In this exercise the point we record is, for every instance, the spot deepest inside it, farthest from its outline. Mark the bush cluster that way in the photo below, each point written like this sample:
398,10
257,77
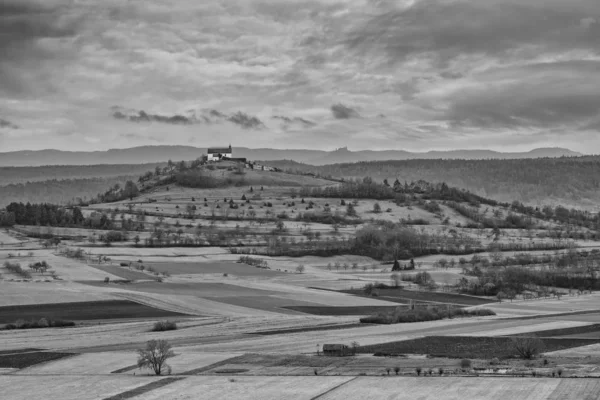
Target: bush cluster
15,268
41,323
402,315
162,326
256,262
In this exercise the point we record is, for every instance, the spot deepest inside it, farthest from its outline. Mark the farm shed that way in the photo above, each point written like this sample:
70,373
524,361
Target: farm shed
336,350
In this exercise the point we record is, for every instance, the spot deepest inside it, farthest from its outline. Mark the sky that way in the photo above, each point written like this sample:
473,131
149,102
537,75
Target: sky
507,75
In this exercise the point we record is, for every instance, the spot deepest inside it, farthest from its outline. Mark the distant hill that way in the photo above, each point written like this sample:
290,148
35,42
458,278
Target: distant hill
154,154
569,181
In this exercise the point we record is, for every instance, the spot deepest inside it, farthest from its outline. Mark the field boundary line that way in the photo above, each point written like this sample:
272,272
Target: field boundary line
143,389
334,388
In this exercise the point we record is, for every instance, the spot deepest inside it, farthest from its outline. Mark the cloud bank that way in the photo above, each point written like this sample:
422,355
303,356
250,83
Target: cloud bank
500,74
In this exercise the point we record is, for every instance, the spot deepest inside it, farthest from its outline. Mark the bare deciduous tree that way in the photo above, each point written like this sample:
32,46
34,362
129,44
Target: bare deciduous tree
155,356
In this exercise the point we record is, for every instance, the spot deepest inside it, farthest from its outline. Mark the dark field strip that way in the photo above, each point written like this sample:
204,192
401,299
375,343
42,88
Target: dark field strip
143,389
196,371
405,296
124,369
327,310
307,329
24,360
467,346
88,310
563,332
18,351
554,315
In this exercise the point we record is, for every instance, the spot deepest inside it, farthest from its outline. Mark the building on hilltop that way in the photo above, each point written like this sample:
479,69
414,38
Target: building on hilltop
218,153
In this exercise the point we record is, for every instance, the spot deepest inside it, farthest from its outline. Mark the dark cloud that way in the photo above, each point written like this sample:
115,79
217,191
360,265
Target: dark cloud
142,116
23,23
448,29
209,116
296,122
7,124
341,111
537,96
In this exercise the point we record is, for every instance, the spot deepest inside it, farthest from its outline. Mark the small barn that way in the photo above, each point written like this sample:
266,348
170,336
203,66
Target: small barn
219,153
336,350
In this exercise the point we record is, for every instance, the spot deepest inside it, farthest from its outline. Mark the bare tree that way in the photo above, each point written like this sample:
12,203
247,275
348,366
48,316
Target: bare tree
155,356
528,347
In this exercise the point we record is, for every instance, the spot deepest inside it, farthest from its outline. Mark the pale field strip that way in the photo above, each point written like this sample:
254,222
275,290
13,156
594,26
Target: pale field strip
75,387
319,297
84,364
448,388
592,350
245,388
566,304
27,293
191,304
6,239
19,387
103,363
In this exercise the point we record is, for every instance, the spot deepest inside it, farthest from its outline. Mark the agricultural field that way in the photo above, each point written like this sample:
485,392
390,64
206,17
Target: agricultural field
83,311
260,274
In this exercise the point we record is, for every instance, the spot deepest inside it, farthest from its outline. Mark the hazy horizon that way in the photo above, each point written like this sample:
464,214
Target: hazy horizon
414,75
293,149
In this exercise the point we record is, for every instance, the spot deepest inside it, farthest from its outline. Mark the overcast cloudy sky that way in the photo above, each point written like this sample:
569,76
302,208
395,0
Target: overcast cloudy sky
367,74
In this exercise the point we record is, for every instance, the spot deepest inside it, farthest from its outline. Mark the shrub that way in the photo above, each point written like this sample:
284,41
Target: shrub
495,361
441,371
106,280
418,370
397,370
465,363
161,326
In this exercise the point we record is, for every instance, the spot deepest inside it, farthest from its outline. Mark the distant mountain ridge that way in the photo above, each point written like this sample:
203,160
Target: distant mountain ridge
152,154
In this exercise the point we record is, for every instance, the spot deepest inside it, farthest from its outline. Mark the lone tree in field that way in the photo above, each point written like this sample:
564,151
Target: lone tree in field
376,208
528,347
155,356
